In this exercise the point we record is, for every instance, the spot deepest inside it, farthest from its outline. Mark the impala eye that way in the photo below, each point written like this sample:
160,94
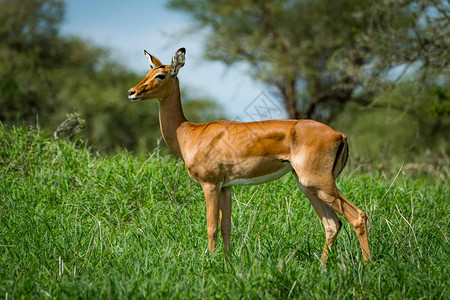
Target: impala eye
160,76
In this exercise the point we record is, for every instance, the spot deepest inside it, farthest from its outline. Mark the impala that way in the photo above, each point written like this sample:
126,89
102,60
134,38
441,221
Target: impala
221,154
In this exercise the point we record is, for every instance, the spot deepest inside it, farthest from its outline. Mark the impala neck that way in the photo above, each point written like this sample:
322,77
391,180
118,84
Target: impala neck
171,117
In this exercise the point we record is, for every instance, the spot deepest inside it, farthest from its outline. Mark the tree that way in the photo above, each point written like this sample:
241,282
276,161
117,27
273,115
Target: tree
408,33
28,22
318,54
27,32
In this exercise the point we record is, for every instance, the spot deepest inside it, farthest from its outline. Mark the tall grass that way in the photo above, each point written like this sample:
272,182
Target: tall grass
77,224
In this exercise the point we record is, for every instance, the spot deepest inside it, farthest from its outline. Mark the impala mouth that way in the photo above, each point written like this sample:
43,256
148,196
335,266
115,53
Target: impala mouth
133,98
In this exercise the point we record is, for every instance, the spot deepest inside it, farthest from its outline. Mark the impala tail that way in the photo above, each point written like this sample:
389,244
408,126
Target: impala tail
341,157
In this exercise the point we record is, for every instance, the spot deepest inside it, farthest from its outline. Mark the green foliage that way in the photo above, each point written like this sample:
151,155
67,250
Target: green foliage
200,109
440,107
408,32
409,125
75,224
30,22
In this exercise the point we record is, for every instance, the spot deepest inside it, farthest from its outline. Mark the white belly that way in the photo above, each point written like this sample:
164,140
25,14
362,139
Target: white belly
261,179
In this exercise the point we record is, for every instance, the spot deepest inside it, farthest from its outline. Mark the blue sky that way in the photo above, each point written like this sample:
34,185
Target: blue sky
129,27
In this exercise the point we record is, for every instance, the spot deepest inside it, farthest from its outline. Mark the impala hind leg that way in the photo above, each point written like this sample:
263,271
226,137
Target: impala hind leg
330,221
212,197
323,190
357,218
353,214
225,216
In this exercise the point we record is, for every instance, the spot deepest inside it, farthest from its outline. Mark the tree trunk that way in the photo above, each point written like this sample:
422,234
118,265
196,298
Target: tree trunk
289,99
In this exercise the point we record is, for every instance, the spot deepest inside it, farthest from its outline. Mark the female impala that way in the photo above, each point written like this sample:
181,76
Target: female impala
221,154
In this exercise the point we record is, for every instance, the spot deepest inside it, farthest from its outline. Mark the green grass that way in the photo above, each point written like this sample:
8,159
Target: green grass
78,224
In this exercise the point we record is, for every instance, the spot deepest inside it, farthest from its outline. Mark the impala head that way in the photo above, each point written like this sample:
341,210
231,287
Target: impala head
159,80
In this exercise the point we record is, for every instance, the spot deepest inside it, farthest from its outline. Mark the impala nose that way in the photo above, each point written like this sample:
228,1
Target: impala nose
132,95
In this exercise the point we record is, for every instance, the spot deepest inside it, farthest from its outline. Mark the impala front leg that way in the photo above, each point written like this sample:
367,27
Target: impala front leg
212,196
225,216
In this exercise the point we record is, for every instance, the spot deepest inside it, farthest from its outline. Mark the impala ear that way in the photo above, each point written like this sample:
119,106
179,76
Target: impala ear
178,61
153,61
